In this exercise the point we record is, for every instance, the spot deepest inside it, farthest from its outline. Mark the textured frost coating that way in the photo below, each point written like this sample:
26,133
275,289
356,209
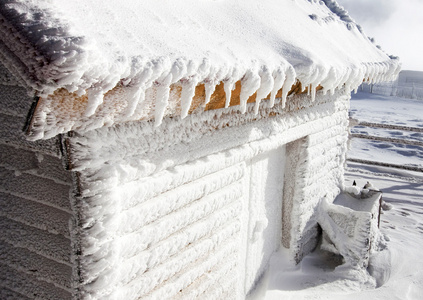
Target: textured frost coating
190,181
91,47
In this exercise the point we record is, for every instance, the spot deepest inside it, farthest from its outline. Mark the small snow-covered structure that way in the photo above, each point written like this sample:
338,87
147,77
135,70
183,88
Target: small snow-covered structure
350,225
409,84
169,147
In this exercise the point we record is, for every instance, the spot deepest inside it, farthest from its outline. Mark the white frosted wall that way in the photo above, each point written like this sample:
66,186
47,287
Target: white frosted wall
408,85
158,240
35,245
409,92
319,172
265,212
293,185
193,207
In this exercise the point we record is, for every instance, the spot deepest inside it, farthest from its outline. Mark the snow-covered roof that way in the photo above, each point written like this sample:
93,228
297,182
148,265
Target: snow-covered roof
92,47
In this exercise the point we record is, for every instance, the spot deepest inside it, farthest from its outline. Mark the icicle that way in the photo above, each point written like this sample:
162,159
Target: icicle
356,79
228,86
329,82
371,74
162,99
313,92
249,85
290,80
136,95
257,105
279,78
314,81
138,111
345,77
210,88
266,86
179,70
377,73
188,92
95,99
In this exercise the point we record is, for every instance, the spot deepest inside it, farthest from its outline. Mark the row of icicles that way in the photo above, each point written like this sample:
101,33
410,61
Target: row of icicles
256,80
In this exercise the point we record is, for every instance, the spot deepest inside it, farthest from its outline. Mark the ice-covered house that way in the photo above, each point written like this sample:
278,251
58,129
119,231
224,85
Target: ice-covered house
165,149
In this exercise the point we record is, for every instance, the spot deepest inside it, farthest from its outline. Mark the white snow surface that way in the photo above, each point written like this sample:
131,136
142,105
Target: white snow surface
395,268
390,111
92,46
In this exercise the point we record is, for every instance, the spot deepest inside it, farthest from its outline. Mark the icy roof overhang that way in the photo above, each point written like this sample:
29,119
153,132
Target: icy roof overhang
73,53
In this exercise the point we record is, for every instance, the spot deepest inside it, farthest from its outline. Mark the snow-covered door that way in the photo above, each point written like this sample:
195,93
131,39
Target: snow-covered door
266,174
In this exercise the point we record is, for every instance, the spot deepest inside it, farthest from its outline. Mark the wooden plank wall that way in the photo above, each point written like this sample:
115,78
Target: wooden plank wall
35,247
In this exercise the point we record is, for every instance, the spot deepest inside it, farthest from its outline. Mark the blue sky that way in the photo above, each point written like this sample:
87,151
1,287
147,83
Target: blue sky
396,25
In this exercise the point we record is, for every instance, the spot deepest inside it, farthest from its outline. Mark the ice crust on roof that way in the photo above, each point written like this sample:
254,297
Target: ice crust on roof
339,11
92,46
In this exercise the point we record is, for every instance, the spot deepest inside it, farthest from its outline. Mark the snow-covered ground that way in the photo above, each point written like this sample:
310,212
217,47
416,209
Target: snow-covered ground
396,270
389,111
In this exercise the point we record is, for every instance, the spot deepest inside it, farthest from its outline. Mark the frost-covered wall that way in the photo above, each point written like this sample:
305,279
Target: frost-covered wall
194,207
319,174
35,243
264,200
295,163
408,85
190,209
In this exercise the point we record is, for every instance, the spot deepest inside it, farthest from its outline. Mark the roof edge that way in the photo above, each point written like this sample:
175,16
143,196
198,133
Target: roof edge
63,111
